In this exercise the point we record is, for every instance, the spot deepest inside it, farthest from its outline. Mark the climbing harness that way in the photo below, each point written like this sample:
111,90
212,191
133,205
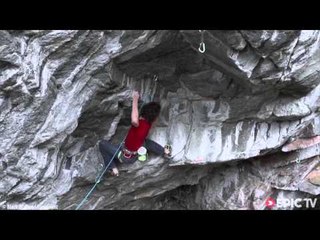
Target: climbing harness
125,155
202,46
142,157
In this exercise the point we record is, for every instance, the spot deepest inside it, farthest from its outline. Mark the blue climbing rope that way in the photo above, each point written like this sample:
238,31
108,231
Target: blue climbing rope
98,179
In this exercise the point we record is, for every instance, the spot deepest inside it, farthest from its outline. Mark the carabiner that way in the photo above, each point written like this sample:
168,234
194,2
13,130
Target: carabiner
202,47
155,78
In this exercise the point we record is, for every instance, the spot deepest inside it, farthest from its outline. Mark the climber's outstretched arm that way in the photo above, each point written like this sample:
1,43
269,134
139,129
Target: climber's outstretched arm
135,111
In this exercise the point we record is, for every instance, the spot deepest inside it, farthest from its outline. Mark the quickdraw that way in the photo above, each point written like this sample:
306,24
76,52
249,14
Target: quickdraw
202,46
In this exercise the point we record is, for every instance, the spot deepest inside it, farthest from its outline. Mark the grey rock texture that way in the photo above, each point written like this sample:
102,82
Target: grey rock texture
229,114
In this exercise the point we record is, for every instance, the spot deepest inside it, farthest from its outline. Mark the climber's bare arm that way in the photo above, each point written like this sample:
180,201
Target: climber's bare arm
135,111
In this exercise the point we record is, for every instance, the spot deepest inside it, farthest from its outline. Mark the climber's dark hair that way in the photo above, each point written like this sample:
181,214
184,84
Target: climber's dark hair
150,111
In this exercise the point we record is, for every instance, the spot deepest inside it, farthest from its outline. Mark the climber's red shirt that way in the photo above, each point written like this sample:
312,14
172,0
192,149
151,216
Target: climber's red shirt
137,135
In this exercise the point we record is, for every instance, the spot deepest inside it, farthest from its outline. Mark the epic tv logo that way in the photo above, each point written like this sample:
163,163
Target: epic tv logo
293,203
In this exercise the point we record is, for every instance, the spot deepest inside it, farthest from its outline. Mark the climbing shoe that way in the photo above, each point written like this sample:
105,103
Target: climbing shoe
168,151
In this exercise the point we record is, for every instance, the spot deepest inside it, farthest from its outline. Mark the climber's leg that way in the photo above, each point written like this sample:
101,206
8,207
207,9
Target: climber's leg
156,148
108,150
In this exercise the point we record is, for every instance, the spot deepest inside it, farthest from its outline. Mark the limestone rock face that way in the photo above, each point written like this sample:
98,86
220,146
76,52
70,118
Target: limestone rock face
242,117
